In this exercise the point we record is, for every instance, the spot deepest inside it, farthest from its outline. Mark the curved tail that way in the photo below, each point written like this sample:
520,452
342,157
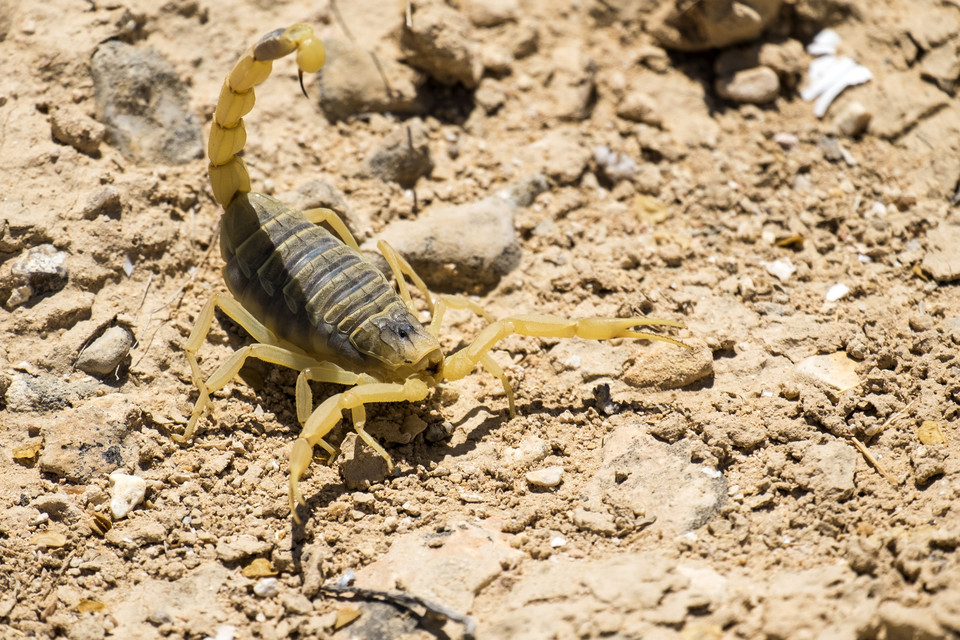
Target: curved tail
228,174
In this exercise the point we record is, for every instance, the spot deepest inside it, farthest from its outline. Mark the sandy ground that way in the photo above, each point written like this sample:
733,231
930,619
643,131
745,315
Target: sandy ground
793,475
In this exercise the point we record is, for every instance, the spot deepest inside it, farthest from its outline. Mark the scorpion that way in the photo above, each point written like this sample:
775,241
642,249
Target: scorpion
312,302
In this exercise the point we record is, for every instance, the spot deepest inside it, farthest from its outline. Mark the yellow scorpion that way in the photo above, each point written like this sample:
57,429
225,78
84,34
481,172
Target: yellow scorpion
314,303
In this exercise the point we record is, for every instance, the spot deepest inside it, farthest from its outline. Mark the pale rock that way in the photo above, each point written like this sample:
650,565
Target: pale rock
547,477
490,13
853,119
144,104
639,106
81,132
441,42
471,557
666,366
758,85
560,154
710,24
781,269
467,247
105,354
126,492
828,469
351,83
836,292
942,260
836,370
243,547
267,587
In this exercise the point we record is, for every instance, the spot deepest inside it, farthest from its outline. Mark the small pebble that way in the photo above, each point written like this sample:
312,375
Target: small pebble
548,477
266,588
557,541
787,141
758,85
106,353
159,617
853,120
105,201
837,291
782,269
126,492
225,632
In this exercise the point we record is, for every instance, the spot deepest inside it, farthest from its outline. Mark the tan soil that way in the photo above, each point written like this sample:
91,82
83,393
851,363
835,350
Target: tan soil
735,506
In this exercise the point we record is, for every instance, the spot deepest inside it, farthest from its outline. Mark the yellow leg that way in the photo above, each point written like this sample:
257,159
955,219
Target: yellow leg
200,330
461,363
328,414
323,372
445,302
400,267
437,303
322,215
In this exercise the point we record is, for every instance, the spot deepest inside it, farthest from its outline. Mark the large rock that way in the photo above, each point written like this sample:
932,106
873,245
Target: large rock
440,40
711,24
351,82
943,259
467,247
144,104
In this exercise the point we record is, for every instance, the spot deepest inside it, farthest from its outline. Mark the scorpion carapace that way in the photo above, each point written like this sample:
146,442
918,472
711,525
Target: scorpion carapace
314,303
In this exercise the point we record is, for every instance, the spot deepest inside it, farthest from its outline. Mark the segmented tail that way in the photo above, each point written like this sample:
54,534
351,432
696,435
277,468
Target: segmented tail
228,174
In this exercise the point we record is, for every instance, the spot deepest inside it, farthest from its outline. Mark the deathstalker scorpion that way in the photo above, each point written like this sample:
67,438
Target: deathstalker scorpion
314,303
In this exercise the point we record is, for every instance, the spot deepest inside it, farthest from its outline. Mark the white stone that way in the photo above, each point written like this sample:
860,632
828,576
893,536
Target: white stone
266,588
782,269
126,492
547,477
837,291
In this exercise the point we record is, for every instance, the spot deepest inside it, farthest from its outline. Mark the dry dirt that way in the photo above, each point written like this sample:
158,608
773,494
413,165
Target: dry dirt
739,489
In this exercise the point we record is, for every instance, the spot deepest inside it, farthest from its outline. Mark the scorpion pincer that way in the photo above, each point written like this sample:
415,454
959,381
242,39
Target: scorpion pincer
314,303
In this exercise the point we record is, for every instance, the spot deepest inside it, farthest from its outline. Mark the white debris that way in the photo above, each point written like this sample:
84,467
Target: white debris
548,477
127,265
829,74
267,588
126,492
824,43
224,632
781,269
557,541
615,165
837,291
573,362
787,141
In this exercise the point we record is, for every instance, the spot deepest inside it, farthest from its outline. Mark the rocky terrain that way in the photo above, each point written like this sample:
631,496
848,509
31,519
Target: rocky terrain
794,474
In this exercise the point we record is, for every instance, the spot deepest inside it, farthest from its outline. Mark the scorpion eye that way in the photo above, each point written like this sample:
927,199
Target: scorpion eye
401,332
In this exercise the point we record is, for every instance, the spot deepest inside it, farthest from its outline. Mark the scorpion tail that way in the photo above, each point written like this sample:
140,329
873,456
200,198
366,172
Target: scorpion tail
228,174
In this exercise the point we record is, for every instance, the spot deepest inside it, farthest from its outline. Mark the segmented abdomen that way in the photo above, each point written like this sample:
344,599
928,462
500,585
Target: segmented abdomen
300,280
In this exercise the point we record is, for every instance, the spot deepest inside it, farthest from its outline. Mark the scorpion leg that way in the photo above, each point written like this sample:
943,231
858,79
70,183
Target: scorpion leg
438,303
268,348
323,372
329,217
328,414
197,336
461,363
